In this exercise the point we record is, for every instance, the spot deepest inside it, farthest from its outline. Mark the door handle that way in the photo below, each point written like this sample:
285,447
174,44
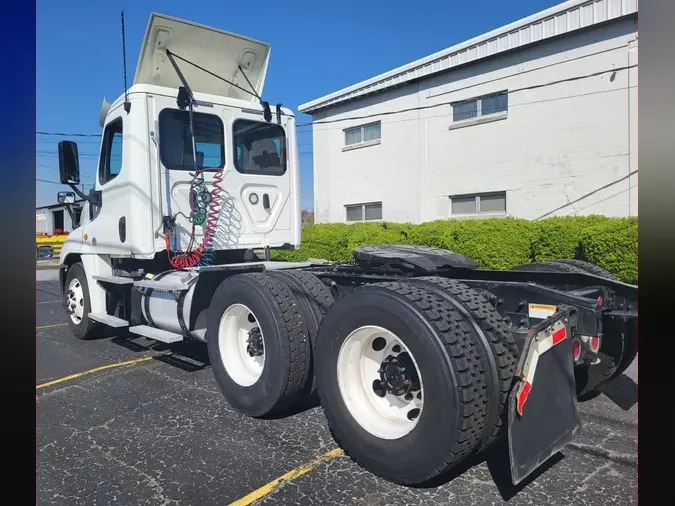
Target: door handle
266,202
122,228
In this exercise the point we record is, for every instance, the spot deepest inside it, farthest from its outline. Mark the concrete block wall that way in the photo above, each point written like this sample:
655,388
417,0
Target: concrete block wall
556,146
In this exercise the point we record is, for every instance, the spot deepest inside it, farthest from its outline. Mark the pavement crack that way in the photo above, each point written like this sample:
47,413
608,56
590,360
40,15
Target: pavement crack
159,496
582,484
626,459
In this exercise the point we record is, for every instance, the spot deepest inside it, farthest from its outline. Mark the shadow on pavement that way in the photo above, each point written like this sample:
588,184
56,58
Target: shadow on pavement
497,461
189,356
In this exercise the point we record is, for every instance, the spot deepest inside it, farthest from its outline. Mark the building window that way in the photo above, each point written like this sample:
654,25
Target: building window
175,141
364,212
259,148
110,163
484,203
481,106
364,134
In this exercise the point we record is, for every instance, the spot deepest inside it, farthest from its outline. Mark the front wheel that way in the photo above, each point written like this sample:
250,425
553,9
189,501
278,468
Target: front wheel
78,305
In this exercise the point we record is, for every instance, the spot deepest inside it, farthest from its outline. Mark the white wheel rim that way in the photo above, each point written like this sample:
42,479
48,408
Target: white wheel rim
233,340
75,301
358,364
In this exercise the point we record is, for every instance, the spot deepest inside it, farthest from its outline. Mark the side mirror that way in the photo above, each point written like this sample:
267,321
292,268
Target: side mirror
69,163
66,198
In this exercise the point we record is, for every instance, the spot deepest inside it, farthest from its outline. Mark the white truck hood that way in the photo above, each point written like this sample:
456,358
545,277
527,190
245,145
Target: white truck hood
216,50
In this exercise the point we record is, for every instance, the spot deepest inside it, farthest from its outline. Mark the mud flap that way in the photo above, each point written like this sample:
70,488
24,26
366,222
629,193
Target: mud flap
543,414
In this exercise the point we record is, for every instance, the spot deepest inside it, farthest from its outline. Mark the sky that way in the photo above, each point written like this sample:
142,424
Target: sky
317,48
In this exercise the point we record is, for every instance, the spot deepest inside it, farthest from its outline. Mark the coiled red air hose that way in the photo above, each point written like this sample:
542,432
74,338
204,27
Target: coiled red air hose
190,258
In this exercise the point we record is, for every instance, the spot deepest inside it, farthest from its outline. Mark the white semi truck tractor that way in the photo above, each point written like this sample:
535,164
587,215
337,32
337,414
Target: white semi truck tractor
420,358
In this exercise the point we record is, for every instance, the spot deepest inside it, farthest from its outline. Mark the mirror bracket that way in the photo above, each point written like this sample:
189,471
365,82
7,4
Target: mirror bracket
73,218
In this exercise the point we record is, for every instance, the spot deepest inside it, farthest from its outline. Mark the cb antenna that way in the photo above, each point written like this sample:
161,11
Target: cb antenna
127,104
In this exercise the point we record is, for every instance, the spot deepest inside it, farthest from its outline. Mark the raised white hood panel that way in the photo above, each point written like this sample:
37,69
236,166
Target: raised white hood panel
218,51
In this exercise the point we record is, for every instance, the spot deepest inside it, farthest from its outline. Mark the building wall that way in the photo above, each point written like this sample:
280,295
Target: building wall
557,145
44,220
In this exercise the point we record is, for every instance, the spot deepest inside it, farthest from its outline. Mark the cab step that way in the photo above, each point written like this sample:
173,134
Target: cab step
156,334
106,319
115,280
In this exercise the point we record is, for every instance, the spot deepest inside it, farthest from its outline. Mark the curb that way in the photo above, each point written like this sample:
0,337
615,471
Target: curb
40,265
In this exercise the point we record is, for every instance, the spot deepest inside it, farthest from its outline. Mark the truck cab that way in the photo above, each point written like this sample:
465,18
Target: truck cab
155,140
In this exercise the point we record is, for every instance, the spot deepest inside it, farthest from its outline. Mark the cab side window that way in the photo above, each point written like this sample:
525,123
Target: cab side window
110,162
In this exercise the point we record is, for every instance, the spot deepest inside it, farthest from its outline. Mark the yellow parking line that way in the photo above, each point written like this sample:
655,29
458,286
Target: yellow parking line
96,369
291,475
51,326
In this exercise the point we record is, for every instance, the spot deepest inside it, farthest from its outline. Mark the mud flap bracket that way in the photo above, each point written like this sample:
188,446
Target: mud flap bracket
543,413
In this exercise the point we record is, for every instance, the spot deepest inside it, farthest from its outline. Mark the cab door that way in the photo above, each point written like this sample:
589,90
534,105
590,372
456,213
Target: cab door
107,228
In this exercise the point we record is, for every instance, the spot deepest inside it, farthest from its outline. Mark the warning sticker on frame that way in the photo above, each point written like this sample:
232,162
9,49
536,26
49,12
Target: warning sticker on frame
541,311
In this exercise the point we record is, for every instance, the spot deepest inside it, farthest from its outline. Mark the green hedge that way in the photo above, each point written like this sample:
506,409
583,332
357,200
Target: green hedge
493,243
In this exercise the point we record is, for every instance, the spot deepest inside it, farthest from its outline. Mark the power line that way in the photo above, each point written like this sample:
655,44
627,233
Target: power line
54,141
445,114
586,195
57,170
424,107
510,106
61,134
47,181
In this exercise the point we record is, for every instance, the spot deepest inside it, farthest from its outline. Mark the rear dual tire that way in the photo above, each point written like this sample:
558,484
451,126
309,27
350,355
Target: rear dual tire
450,423
260,334
256,304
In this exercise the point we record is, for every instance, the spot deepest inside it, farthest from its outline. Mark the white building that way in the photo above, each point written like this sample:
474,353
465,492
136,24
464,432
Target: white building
534,119
56,217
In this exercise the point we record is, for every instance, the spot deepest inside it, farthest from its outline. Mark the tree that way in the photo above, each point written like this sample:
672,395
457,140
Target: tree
307,217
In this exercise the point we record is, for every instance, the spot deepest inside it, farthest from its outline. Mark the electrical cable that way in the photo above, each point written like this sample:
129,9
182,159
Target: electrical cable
61,134
386,113
424,107
586,195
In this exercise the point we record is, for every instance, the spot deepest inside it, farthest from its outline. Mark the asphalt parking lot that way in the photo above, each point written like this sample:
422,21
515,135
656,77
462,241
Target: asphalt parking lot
156,431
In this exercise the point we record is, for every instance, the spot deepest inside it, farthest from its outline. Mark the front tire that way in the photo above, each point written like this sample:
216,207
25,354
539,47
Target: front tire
408,433
257,343
78,305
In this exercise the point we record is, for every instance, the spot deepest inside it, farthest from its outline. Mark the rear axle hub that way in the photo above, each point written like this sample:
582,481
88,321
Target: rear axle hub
398,375
255,343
